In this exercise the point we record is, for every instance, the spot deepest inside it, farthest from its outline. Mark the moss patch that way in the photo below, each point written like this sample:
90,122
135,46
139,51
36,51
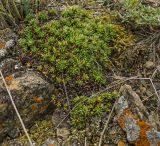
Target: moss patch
77,46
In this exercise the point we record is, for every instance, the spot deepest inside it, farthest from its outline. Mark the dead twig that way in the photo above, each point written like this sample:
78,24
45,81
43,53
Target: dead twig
154,73
65,90
152,86
150,96
85,143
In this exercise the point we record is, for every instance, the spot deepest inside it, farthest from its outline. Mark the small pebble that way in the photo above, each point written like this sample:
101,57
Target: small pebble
149,65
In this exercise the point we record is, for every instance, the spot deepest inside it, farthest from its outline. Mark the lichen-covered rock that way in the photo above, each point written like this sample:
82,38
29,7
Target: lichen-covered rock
16,142
12,143
133,119
7,34
132,128
3,53
134,101
9,44
5,48
50,142
10,66
153,137
31,94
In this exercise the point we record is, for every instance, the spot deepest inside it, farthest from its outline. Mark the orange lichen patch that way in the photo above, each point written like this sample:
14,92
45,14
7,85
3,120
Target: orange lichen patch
14,85
144,127
38,99
33,107
51,145
9,78
143,140
121,143
125,113
121,121
2,45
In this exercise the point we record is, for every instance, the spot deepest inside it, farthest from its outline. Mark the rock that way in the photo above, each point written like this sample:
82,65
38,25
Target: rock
16,142
153,137
131,128
10,66
154,120
12,143
134,119
5,48
51,142
14,133
63,130
7,34
56,119
31,94
122,104
149,65
9,44
3,53
63,133
18,1
131,99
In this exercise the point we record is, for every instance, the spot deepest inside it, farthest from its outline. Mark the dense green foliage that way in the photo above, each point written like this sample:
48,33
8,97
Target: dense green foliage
77,45
91,108
142,15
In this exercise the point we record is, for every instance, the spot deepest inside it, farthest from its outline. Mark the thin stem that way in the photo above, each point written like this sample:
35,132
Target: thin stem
65,89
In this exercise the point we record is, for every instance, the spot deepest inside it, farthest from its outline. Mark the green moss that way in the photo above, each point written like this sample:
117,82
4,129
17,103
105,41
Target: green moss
78,43
90,108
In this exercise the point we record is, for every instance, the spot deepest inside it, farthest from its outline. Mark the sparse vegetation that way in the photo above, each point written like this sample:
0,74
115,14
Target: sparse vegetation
140,14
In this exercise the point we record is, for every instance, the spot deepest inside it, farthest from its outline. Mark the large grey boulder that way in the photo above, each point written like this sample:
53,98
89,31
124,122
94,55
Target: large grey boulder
31,94
30,91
